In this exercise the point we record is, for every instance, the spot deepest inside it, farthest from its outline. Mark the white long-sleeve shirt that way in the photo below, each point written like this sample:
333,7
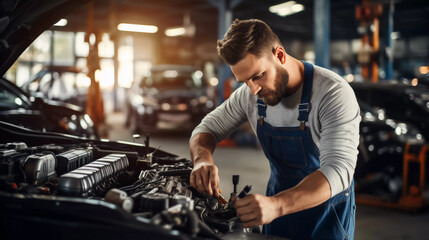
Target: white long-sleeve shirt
333,121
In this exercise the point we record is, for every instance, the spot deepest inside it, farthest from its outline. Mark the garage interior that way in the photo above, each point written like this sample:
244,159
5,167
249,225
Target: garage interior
102,54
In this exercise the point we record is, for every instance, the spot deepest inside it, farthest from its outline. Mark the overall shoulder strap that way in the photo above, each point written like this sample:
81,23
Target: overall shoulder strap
304,107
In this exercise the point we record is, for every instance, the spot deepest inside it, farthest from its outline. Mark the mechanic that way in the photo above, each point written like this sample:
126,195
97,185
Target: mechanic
307,121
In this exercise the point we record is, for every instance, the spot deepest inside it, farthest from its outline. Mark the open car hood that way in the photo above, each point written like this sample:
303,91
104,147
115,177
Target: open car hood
21,22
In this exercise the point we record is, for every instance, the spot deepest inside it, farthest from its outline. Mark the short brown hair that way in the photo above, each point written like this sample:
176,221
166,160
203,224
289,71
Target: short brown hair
246,36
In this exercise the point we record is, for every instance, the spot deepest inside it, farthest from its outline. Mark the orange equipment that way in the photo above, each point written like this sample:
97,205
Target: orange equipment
368,13
94,100
412,195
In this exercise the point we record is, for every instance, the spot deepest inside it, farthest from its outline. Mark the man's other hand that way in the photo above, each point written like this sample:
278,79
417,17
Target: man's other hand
256,209
205,178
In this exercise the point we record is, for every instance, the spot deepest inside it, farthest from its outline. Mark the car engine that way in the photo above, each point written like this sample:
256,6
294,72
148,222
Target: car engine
77,181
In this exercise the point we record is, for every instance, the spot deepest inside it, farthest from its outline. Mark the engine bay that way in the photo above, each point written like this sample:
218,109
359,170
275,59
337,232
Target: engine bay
138,186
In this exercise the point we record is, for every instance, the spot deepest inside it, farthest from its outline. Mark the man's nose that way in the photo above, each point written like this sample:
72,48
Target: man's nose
254,87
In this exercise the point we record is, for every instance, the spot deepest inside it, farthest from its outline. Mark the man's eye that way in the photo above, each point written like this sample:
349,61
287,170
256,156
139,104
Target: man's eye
258,77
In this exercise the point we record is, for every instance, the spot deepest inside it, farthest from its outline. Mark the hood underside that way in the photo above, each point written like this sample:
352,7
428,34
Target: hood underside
21,22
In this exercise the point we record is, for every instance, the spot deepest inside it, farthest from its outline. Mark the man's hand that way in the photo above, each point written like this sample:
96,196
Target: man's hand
205,178
256,209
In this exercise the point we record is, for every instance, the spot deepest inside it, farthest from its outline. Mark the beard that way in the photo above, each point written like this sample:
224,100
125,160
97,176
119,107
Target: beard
273,97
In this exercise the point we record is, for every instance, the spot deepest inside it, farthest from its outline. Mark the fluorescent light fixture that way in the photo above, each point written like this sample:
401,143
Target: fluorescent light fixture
61,23
171,74
127,27
286,8
175,31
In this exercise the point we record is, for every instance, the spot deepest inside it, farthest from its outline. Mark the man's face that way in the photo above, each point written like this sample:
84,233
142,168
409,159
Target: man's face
264,76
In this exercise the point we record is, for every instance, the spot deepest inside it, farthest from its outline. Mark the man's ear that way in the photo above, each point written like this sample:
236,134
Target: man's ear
280,54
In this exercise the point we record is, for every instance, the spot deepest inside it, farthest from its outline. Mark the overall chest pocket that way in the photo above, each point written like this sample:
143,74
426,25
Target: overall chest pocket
287,150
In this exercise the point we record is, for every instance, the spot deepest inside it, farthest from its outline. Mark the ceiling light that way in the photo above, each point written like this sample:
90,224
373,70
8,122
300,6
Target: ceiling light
187,29
61,23
137,28
175,31
286,8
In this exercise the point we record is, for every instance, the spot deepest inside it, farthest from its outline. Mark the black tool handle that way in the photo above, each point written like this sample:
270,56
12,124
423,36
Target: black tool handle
245,191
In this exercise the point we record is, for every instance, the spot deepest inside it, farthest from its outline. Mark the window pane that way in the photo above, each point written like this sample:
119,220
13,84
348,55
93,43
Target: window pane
125,54
22,73
81,47
41,47
106,76
63,48
106,48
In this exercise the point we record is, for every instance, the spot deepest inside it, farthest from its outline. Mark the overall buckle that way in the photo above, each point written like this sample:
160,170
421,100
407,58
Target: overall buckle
261,120
302,125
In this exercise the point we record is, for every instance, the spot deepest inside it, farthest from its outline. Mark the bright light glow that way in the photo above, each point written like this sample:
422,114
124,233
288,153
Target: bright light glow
424,69
414,82
398,131
88,119
278,7
209,104
137,100
171,74
182,107
61,23
137,28
165,106
82,81
419,136
287,8
18,101
83,124
297,8
175,31
203,99
106,76
350,78
198,74
395,35
125,55
98,75
214,81
106,48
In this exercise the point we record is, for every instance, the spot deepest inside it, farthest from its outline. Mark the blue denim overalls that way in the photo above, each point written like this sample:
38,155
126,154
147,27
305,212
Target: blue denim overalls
293,155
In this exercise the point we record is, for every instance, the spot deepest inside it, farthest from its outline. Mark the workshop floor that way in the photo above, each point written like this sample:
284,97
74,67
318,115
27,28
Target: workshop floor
253,168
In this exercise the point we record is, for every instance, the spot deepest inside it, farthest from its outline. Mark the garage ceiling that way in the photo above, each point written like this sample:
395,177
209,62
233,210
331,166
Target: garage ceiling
411,17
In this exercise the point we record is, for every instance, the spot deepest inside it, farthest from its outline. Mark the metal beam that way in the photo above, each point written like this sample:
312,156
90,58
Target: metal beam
321,32
225,20
389,45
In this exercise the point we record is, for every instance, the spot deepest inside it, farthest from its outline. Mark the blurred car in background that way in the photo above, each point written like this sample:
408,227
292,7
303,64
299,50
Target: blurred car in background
41,114
63,83
173,96
401,102
381,149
